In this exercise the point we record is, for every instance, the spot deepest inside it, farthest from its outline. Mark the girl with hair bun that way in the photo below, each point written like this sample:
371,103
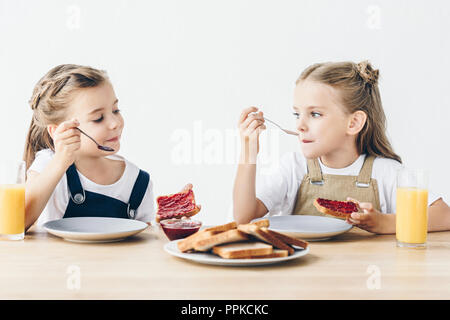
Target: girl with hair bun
68,175
346,154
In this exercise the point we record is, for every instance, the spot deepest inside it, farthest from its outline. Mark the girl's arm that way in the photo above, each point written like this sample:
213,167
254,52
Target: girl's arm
40,186
245,204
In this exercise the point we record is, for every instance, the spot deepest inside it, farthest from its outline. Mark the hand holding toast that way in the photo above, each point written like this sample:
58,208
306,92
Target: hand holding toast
367,218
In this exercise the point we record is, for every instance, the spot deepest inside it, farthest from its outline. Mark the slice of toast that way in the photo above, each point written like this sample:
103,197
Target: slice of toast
233,225
287,239
232,235
187,243
257,232
191,213
176,205
342,213
223,227
261,223
243,250
277,253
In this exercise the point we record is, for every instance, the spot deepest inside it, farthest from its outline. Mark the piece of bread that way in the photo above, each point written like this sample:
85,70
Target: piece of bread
277,253
188,214
257,232
233,225
176,205
187,244
243,250
223,227
233,235
261,223
338,209
287,239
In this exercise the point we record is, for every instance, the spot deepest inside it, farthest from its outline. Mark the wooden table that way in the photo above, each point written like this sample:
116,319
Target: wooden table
355,265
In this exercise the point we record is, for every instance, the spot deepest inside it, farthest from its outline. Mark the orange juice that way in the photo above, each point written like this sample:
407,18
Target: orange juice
12,209
412,215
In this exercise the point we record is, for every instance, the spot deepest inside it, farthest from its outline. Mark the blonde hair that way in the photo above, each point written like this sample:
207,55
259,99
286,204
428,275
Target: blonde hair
358,87
51,97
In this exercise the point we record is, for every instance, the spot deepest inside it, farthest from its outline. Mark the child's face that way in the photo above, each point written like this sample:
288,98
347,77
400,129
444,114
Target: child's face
320,119
99,116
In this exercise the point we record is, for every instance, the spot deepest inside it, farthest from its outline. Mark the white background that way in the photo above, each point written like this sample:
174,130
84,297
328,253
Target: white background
183,71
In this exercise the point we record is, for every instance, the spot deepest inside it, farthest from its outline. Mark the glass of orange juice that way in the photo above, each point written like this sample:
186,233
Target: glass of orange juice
12,200
412,208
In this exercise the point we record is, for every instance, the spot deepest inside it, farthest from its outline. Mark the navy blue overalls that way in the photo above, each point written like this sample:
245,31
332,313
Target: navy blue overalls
84,203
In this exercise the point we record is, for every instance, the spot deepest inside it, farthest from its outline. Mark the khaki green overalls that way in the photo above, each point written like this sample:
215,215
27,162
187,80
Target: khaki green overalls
336,187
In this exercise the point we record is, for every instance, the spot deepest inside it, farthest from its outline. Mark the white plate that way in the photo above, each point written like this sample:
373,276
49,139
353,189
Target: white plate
308,227
94,229
209,258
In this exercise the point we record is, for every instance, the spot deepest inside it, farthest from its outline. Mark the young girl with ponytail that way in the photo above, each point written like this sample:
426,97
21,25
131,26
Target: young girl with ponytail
345,153
68,175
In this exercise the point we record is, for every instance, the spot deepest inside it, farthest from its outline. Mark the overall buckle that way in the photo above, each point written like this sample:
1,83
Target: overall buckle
78,198
131,212
362,185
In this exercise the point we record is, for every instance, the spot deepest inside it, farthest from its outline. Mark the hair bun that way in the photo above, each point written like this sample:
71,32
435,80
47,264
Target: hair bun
367,73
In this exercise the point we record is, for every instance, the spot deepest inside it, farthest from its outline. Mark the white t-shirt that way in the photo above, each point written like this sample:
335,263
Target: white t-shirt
121,189
278,190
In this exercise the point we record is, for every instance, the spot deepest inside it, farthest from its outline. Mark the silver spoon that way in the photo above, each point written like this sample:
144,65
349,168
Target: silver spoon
285,130
104,148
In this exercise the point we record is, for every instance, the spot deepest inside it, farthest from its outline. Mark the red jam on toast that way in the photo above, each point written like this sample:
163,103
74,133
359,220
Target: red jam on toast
339,209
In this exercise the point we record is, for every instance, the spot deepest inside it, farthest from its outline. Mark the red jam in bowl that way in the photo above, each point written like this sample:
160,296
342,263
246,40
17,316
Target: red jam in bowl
179,228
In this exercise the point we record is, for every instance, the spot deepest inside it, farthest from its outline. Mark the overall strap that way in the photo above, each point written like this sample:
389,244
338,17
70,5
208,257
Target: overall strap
365,174
76,191
138,192
314,172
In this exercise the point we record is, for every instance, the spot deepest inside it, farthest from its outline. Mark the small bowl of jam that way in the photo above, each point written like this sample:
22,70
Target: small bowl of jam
179,228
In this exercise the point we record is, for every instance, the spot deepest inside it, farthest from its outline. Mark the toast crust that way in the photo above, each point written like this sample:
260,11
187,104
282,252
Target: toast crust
223,227
287,239
258,232
276,253
261,223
